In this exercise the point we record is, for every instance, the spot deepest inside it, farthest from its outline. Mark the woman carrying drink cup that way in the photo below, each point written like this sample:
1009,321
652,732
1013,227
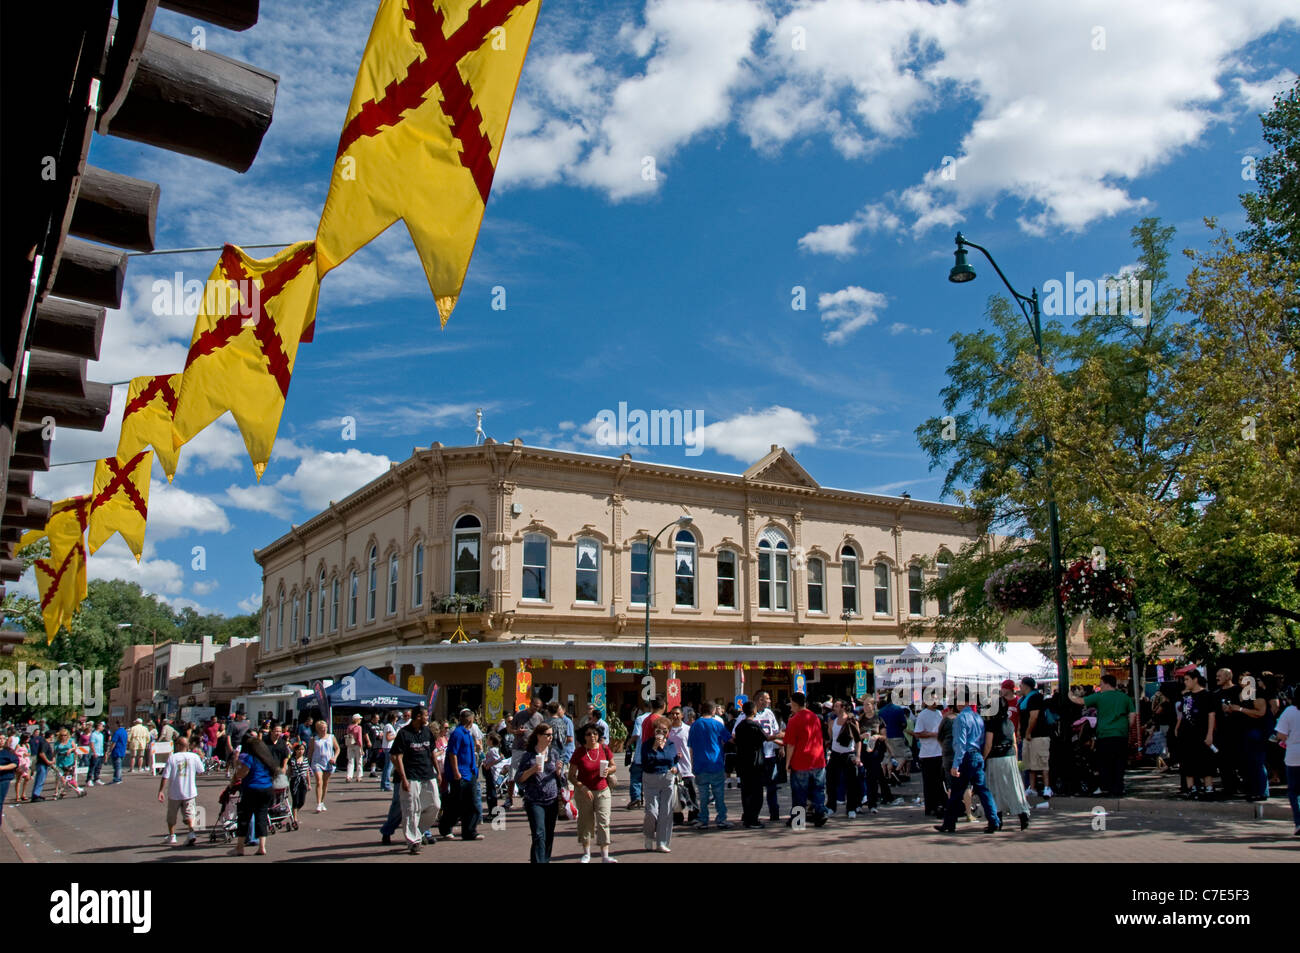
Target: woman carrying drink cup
592,771
540,775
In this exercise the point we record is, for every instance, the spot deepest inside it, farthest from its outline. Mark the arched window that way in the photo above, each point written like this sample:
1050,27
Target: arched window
816,586
726,579
334,604
849,579
266,642
640,573
882,589
915,591
372,582
306,628
293,629
417,575
279,625
535,562
352,599
392,584
942,566
587,588
465,555
320,622
773,571
684,568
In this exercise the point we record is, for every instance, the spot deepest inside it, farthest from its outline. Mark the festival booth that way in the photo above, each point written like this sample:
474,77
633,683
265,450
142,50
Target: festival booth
363,692
964,668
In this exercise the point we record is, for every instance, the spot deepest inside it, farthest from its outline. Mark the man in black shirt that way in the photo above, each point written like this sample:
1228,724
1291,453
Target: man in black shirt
374,751
416,774
278,745
1227,731
749,737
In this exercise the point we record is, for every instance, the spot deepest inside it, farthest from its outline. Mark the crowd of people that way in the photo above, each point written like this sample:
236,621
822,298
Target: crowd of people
997,763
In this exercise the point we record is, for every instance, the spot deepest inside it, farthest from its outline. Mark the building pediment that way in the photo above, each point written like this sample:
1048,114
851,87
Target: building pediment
780,467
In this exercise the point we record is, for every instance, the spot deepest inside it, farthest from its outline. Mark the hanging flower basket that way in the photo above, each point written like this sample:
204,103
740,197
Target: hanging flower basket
1102,593
1018,586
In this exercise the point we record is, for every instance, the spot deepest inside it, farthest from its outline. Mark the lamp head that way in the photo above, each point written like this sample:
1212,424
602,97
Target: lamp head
962,270
684,519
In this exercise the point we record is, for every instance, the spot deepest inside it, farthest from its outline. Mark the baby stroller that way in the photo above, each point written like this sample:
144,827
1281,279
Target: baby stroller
226,828
280,814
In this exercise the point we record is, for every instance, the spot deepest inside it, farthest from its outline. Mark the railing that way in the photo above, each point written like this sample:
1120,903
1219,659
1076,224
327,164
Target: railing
460,603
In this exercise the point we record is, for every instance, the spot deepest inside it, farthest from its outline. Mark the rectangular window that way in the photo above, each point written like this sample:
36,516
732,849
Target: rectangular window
882,589
535,567
944,603
293,630
334,606
279,627
915,591
306,629
466,546
417,576
764,579
393,569
372,583
781,565
849,583
352,601
640,574
588,567
685,563
816,589
320,622
726,580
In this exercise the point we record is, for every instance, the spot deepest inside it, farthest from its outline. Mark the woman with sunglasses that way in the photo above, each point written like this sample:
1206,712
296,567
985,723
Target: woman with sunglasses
658,766
540,775
591,770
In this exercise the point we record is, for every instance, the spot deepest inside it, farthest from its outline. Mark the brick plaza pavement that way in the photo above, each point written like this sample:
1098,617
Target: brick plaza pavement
125,823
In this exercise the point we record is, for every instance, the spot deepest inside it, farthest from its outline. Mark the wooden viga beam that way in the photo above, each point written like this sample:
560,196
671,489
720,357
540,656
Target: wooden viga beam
90,273
68,327
37,515
116,210
76,413
197,103
31,450
56,374
231,14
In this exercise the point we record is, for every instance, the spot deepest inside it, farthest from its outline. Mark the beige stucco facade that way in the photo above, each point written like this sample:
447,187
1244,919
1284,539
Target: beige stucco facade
552,508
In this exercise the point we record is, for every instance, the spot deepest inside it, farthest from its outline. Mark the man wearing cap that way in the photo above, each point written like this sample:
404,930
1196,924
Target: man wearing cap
137,739
460,772
968,771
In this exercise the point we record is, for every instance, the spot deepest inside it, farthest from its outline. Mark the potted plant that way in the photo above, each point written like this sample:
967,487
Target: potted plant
1104,590
617,733
1018,586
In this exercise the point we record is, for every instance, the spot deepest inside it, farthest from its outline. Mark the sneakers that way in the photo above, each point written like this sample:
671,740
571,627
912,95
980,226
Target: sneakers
662,849
413,848
650,844
170,840
608,860
633,805
896,802
725,825
584,859
192,839
853,815
700,826
1041,805
1047,792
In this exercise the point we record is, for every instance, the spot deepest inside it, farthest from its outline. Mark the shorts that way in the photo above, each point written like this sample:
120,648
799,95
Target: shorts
1038,752
329,768
135,749
900,749
185,808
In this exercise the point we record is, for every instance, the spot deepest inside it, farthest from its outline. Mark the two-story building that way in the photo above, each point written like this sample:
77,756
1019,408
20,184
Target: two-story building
746,580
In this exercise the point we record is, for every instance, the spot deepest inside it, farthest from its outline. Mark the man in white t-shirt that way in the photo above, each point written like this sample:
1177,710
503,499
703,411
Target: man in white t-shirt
926,731
1288,730
387,736
179,787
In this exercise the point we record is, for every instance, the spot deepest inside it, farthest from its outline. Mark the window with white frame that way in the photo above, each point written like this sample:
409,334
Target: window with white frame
587,587
915,591
372,582
306,627
726,579
352,599
535,563
684,568
849,578
293,628
942,566
773,571
816,586
334,604
279,626
640,573
417,575
882,588
465,546
393,569
320,622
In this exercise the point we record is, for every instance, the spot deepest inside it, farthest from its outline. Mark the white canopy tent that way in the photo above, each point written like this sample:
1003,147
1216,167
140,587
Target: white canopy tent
967,662
1022,659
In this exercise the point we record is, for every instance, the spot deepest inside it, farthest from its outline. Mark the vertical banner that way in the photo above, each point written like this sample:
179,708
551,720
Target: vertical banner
598,689
523,689
433,697
800,683
322,700
392,678
860,683
415,683
495,703
674,693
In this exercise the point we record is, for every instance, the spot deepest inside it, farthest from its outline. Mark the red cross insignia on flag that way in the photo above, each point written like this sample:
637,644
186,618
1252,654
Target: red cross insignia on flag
147,420
120,501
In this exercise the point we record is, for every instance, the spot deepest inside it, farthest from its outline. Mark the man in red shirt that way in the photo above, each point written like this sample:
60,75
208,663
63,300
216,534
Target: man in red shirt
805,760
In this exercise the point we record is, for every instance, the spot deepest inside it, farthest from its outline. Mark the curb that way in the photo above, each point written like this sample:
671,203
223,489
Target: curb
1274,809
24,852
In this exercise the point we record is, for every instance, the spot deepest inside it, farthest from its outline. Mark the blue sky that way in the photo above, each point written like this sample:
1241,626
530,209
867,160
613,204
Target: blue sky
795,145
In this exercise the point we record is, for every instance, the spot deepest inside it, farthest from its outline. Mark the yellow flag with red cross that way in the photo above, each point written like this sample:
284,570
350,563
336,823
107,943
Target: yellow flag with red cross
245,341
120,501
61,579
147,420
423,132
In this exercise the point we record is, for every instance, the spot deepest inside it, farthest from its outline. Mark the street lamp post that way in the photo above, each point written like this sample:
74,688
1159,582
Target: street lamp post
682,520
963,272
846,616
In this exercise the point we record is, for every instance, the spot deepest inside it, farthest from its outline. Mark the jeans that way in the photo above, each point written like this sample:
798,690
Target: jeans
96,763
394,819
752,782
658,823
932,784
386,778
463,805
971,775
1253,773
634,790
1112,759
770,774
541,824
842,772
38,779
4,794
712,784
804,783
117,767
1293,792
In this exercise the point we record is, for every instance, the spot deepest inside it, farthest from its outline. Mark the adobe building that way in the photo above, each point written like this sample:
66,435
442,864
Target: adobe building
755,578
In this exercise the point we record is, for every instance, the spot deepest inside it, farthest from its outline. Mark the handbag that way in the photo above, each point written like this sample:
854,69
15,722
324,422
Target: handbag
678,798
566,804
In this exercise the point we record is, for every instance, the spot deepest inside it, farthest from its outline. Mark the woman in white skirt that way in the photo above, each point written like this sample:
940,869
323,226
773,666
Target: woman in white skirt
1000,761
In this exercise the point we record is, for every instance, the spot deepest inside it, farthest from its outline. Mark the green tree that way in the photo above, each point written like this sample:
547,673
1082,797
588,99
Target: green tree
1273,210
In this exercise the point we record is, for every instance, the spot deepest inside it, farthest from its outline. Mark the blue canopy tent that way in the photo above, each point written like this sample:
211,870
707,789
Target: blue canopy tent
363,689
